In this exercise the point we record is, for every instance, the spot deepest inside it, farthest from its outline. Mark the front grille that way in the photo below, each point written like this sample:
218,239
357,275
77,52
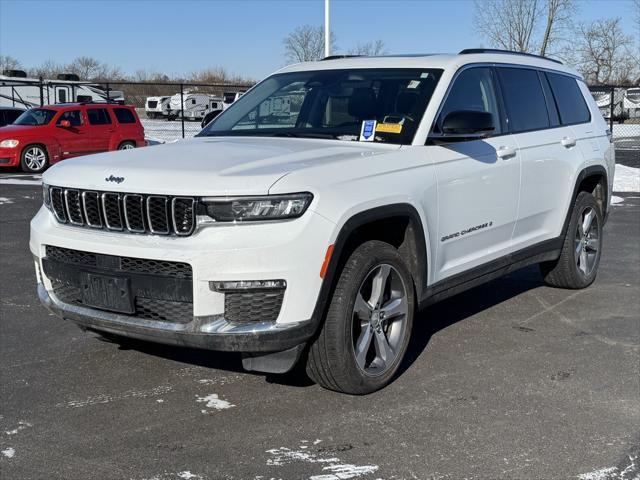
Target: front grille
256,306
124,212
156,294
126,264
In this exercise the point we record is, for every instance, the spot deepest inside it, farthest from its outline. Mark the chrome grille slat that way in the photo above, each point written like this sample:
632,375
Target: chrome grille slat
74,210
124,212
133,205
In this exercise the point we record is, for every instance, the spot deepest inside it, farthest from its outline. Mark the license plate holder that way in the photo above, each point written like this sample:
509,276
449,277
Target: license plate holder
107,292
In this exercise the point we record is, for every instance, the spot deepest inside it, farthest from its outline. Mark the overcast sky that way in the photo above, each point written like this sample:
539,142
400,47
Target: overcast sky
244,36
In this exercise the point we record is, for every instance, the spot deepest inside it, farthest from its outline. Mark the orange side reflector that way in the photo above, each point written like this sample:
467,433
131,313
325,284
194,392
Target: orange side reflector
327,259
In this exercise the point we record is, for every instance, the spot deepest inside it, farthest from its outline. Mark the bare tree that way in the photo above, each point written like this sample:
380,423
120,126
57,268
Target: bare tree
559,14
369,49
48,69
7,62
604,52
508,24
306,43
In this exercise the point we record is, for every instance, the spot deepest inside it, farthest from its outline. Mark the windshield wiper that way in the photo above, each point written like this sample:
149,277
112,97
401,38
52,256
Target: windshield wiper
303,135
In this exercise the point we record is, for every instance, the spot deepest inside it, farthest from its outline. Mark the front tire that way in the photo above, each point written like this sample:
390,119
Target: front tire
577,266
34,159
368,323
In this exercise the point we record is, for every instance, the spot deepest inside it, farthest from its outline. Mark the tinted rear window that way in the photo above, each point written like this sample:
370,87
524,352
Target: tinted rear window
124,115
524,99
98,116
571,104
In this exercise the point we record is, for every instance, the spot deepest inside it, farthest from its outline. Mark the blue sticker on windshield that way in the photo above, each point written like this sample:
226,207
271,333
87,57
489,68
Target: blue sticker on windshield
368,130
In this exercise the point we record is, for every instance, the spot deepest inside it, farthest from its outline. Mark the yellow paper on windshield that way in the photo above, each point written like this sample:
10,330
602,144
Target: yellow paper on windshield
389,128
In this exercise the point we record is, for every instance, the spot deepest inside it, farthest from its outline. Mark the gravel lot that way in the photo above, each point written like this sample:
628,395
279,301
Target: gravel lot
510,380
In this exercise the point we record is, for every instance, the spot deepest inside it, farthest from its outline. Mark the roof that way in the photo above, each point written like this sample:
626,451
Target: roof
442,61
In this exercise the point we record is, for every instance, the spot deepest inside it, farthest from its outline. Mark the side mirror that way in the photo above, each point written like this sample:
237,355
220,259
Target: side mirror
464,125
64,124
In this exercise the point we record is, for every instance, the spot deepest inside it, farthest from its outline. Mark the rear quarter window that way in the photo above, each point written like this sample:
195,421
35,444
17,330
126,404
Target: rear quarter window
571,104
124,115
524,99
98,116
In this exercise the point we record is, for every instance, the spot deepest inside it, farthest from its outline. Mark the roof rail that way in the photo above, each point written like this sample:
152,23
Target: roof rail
510,52
336,57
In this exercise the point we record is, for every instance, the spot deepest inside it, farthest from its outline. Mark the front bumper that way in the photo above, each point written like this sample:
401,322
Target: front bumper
211,333
9,157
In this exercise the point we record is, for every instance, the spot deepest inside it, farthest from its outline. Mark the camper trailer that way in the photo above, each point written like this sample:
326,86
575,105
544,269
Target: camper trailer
17,90
632,102
196,105
157,107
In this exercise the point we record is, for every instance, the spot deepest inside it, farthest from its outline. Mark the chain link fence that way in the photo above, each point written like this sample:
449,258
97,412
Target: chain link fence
620,106
168,111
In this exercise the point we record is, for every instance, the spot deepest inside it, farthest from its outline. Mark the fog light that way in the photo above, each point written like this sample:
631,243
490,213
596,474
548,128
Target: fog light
243,285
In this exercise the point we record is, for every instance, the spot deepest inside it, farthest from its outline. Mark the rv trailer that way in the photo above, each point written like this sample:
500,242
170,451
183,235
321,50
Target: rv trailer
157,107
195,105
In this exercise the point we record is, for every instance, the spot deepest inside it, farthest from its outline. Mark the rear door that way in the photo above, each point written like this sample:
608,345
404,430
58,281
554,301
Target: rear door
101,128
73,140
477,180
548,154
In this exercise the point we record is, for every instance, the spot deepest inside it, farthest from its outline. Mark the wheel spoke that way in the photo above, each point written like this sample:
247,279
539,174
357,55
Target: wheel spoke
587,221
362,308
583,261
362,345
578,245
383,349
394,308
378,286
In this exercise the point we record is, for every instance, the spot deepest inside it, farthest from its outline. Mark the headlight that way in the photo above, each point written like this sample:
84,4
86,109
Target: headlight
46,196
250,209
9,143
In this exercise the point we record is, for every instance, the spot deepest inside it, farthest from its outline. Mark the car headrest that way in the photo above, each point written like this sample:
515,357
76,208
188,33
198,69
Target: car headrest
362,104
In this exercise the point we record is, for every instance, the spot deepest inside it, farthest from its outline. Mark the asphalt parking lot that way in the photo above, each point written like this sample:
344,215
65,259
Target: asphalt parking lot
510,380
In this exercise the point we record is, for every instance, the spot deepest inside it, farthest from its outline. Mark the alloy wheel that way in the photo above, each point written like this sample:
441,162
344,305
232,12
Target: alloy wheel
587,241
35,158
379,320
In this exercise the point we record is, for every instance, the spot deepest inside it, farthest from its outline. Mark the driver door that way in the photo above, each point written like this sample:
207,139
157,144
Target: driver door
73,140
478,181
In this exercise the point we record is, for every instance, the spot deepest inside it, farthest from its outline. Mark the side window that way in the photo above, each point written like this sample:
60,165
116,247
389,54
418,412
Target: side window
74,117
573,109
554,118
473,89
98,116
524,99
10,116
124,115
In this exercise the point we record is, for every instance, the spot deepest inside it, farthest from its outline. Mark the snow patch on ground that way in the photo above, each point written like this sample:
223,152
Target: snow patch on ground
106,398
602,474
21,426
8,452
212,401
627,179
187,475
630,472
616,200
5,200
20,181
335,470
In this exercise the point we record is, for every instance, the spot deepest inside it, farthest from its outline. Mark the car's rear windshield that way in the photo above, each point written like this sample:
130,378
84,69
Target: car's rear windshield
334,104
35,117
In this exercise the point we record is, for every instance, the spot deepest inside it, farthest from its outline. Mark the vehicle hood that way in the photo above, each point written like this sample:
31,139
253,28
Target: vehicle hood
9,131
206,166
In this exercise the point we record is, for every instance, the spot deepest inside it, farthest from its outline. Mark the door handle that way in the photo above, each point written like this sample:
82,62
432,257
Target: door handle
506,152
568,142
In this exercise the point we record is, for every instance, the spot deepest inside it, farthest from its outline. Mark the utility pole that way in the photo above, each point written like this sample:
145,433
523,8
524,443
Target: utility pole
327,31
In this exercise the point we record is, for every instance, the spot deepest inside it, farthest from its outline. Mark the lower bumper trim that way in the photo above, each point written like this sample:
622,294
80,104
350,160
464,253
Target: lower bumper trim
210,333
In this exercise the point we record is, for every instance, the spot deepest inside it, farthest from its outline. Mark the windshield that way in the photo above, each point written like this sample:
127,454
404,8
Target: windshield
35,117
332,104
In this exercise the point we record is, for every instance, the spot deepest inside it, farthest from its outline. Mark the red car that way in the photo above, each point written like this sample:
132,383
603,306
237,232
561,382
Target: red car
45,135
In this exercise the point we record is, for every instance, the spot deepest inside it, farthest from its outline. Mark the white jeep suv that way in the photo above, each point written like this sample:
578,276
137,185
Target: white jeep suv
316,215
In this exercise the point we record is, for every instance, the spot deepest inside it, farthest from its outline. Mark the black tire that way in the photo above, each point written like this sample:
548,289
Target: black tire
128,145
34,159
578,249
331,361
